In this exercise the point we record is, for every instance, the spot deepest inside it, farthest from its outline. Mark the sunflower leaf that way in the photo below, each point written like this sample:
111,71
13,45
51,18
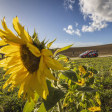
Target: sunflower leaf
62,49
71,75
42,108
86,89
55,94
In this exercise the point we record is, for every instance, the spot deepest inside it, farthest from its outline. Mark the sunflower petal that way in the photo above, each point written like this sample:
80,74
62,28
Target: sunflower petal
48,74
4,24
21,31
49,44
41,64
8,35
2,43
53,64
21,89
35,51
45,89
12,70
62,49
46,52
9,49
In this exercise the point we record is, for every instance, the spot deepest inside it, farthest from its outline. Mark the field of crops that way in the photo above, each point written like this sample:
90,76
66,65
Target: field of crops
104,78
89,84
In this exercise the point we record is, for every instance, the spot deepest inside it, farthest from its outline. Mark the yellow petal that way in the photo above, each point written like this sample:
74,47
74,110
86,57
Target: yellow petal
12,70
49,44
21,31
13,61
41,64
21,89
53,64
41,68
7,34
2,43
9,49
48,74
62,49
20,77
46,52
35,51
4,24
45,89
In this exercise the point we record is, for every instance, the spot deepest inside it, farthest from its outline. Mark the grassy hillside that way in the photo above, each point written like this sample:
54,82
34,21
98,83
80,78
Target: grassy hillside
102,50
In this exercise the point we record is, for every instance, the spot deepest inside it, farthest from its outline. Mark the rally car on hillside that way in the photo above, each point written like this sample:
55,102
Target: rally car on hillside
89,54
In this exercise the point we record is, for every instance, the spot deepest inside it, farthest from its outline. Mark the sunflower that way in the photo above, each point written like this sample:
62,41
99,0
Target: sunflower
82,70
81,82
27,60
94,109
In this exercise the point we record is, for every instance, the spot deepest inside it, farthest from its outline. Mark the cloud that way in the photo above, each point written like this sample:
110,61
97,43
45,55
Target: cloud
76,24
99,11
71,31
77,32
68,4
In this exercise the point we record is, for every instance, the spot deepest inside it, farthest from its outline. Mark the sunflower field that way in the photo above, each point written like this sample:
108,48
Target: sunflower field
35,78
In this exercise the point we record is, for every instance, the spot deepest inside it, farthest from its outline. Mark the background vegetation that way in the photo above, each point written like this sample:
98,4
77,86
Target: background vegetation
75,51
9,101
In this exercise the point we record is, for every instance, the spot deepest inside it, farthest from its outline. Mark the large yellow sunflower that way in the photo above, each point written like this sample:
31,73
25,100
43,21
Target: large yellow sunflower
28,62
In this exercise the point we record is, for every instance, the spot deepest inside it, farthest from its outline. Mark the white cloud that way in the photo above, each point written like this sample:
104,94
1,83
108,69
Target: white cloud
76,24
99,11
71,31
68,4
77,32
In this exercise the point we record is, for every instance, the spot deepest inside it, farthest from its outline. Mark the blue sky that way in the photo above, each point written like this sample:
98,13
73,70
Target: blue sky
78,22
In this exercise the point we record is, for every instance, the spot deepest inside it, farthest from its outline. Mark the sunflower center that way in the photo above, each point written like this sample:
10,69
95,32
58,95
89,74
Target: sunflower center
30,61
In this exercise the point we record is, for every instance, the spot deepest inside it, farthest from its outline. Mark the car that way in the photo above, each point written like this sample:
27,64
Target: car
89,54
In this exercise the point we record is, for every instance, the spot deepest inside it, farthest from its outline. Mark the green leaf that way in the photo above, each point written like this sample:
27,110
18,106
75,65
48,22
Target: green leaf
86,89
49,44
86,75
1,93
62,49
84,110
92,102
29,106
64,85
42,108
92,70
71,75
91,81
62,57
55,94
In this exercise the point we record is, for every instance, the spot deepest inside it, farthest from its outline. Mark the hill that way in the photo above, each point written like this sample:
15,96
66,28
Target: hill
102,50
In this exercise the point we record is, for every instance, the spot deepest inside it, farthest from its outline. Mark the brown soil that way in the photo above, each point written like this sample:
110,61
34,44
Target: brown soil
103,50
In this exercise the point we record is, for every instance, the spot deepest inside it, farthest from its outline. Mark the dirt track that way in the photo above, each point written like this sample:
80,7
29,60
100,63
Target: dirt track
98,56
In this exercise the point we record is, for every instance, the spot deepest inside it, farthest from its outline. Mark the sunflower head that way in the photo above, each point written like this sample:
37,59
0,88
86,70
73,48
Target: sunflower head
28,61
